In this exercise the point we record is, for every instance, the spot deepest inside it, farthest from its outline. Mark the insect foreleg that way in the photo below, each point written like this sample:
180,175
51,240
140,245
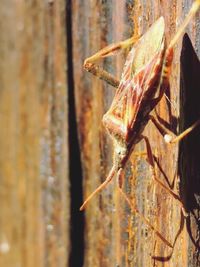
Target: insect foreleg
102,74
109,50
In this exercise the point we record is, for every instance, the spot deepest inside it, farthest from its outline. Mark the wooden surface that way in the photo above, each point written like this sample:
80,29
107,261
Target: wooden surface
36,69
34,195
113,234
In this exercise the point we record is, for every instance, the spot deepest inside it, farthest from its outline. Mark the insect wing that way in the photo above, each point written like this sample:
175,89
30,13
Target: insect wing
130,93
141,69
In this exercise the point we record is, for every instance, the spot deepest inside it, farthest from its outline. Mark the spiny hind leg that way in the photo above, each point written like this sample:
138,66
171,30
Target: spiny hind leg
120,178
107,51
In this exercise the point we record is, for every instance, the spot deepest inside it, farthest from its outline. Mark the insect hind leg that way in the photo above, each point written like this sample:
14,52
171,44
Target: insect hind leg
167,63
193,10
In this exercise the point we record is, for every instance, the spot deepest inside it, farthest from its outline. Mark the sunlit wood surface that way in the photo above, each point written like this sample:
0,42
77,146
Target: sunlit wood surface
113,234
34,196
35,71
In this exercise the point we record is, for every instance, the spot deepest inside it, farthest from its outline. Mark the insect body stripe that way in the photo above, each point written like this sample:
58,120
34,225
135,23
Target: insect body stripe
167,63
166,71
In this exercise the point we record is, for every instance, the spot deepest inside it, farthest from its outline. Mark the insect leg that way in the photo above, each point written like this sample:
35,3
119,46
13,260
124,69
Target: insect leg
195,7
169,139
120,178
169,51
168,135
167,63
102,74
152,163
109,50
98,189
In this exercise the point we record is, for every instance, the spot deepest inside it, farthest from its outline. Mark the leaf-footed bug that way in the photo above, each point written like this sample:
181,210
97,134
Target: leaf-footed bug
144,80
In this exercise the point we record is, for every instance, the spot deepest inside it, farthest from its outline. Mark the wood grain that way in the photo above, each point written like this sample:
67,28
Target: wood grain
34,194
114,234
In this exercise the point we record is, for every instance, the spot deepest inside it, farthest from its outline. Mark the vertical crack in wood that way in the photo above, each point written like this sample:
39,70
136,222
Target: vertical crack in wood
75,170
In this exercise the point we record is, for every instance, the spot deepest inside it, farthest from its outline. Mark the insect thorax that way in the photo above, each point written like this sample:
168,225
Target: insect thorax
121,154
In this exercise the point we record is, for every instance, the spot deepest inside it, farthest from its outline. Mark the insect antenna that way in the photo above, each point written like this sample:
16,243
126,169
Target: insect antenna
104,184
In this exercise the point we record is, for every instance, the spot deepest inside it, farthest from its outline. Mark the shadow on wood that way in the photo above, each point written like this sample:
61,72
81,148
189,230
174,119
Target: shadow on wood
189,149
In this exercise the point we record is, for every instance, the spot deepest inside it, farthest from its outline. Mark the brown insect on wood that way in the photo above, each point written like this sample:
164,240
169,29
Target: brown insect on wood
144,80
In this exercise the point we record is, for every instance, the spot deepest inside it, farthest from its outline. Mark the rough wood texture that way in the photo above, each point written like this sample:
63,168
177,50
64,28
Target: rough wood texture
113,234
34,197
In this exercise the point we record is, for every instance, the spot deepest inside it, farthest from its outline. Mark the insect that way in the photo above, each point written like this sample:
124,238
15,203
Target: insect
144,80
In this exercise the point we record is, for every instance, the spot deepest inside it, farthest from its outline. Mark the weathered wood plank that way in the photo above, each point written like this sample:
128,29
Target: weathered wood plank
34,196
112,233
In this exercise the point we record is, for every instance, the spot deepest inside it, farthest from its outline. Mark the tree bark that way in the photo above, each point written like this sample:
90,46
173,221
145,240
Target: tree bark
114,235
